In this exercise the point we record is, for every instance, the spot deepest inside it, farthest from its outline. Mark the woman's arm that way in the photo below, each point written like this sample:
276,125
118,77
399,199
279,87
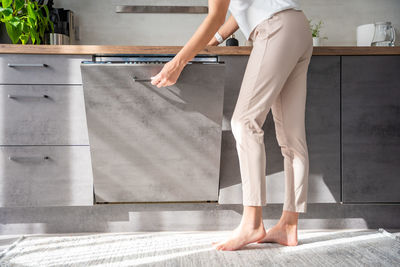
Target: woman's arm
207,29
226,30
217,10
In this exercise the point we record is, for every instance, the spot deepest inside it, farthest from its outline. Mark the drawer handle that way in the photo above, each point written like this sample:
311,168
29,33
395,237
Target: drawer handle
21,96
141,80
13,158
16,65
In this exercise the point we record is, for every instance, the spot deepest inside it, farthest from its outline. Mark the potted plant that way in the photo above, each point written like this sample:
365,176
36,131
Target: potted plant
315,30
25,20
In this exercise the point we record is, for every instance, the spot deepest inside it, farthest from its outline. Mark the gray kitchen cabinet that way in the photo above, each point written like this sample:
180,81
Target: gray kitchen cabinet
152,144
33,176
40,69
44,146
371,128
322,129
42,115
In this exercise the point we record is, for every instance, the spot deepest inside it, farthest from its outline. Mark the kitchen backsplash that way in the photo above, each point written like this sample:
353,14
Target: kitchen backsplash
100,24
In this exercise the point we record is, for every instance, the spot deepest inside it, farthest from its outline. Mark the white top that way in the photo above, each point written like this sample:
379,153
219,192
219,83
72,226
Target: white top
249,13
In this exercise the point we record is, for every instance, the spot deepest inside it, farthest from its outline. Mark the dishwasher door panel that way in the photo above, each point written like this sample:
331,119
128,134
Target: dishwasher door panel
152,144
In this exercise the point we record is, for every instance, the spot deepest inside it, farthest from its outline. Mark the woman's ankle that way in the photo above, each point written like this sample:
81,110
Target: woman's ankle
252,217
248,224
289,218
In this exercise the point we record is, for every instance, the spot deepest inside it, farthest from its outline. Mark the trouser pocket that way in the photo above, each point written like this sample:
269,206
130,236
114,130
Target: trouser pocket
267,28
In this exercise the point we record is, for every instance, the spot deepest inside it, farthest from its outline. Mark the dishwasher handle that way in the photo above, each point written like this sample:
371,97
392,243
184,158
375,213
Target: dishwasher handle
135,79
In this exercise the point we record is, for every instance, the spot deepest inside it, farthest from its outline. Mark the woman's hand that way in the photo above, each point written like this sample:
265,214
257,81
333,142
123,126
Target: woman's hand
217,10
169,73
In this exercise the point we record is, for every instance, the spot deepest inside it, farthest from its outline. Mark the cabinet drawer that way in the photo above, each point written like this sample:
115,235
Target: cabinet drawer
40,69
33,176
42,115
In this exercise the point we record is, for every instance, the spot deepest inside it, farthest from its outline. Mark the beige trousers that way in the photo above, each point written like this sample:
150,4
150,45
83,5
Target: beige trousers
275,78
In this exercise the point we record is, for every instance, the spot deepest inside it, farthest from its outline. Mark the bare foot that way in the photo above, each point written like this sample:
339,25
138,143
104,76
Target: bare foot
234,232
241,236
283,234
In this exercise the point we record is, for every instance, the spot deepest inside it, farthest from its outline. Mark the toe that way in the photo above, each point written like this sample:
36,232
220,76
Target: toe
221,246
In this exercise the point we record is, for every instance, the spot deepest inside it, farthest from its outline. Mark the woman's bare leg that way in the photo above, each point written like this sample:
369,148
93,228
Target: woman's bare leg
285,231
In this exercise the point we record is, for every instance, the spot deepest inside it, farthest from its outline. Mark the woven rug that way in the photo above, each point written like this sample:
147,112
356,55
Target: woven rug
348,248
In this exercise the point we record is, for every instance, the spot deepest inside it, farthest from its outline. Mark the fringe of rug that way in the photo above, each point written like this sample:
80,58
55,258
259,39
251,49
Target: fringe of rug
11,246
386,233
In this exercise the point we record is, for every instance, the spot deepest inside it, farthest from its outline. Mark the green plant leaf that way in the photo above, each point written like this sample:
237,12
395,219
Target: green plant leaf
41,32
19,4
47,19
15,21
6,3
6,11
31,10
5,19
46,10
52,26
25,27
32,22
25,20
24,38
34,35
13,32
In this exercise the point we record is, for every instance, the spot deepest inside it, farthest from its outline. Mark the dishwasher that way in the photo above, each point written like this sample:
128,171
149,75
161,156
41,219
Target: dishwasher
150,144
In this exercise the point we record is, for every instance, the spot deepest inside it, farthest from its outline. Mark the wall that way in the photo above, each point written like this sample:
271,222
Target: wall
341,17
99,24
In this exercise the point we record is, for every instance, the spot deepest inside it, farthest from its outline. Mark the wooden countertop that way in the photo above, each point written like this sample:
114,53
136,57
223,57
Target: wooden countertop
216,50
